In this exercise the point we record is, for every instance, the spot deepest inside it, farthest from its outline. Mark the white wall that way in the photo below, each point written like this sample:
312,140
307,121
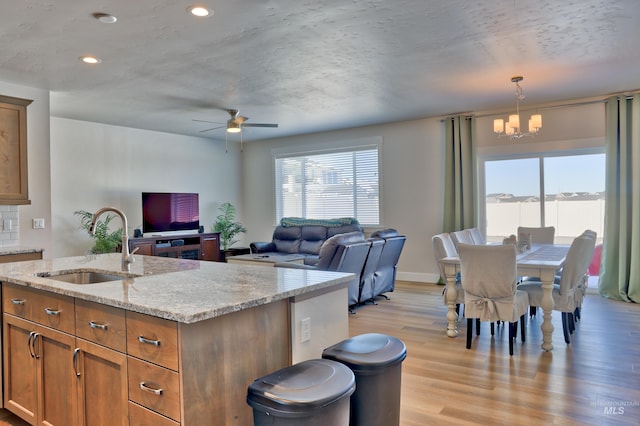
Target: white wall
94,165
38,167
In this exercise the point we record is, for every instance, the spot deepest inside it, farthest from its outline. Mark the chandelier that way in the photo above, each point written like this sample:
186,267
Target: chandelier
512,127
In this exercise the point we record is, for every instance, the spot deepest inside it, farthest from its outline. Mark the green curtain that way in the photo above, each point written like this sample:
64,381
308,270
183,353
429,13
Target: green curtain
620,265
460,187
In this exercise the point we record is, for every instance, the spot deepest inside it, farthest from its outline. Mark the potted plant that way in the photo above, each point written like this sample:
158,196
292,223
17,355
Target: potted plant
227,226
105,241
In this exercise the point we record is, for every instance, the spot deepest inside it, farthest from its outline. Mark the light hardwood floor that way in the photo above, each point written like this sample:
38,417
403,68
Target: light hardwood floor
593,381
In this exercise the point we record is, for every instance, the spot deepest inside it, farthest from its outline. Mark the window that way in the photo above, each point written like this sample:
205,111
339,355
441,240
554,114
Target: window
564,190
329,184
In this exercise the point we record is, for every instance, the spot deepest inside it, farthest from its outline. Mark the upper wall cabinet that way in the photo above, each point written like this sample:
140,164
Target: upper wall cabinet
14,187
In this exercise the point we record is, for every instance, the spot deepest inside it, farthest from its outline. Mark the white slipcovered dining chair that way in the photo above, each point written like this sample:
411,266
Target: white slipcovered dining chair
489,281
464,236
477,236
539,235
568,294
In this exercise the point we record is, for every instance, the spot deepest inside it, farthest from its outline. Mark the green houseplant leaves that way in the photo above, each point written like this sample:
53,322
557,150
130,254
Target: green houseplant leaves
104,241
227,226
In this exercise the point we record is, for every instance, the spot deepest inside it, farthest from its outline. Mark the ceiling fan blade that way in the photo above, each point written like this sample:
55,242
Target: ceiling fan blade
206,121
259,125
213,128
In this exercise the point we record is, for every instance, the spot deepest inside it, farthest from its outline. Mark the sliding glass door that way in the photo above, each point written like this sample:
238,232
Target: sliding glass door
564,190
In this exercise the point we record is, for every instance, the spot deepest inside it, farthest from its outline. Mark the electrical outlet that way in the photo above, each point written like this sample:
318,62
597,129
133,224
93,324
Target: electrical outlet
38,223
305,330
7,225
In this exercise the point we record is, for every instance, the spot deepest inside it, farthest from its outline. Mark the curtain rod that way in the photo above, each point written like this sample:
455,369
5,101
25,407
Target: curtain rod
627,95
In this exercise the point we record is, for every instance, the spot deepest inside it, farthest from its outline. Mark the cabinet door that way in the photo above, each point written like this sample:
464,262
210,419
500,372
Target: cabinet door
20,395
50,379
211,248
102,387
58,404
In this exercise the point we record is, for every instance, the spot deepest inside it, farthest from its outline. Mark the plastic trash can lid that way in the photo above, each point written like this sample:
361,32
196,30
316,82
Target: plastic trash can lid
368,352
302,387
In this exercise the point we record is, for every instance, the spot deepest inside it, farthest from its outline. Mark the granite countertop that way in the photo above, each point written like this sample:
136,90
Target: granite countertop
186,291
18,250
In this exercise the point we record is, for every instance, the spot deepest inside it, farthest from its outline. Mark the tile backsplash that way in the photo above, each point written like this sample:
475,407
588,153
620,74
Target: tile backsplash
9,226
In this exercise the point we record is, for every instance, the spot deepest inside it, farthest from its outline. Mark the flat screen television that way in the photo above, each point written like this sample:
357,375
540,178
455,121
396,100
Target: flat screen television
170,211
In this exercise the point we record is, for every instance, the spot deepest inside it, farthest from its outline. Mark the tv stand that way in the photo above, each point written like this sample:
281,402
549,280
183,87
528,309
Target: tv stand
204,246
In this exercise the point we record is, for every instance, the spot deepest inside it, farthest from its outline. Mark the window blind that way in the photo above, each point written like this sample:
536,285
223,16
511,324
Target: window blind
329,184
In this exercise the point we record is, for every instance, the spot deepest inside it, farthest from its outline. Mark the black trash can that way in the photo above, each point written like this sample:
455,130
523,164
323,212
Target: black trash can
314,392
376,360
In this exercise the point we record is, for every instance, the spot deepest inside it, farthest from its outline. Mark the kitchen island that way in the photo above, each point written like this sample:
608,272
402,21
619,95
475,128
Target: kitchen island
174,342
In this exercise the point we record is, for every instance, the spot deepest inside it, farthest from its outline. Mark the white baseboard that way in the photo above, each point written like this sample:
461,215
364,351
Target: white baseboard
418,277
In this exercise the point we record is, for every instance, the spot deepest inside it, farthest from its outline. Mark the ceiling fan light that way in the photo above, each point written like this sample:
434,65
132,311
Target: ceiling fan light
233,128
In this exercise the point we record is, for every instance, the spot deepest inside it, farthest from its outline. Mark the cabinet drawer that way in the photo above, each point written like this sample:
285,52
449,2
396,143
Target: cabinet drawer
154,387
152,339
101,324
50,309
140,416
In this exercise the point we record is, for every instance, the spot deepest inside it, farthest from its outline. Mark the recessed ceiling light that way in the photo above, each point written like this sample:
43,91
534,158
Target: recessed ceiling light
200,11
105,18
87,59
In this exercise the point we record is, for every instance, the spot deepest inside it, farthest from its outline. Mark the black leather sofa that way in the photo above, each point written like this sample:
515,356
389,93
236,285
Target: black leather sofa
304,236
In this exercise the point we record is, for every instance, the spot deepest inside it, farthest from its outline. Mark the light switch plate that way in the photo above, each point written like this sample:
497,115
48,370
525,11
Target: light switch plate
38,223
7,225
305,330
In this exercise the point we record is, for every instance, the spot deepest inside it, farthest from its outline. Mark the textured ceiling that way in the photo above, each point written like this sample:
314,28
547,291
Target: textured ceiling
314,65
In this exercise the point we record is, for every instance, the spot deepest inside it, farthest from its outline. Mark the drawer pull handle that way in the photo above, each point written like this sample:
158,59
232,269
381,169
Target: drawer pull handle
50,311
18,301
148,341
98,325
146,388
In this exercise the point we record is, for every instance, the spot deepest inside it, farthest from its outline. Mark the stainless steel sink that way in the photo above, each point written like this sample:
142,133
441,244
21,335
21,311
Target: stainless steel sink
84,277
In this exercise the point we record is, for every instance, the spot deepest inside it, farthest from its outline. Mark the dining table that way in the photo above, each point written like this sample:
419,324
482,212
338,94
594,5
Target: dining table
540,260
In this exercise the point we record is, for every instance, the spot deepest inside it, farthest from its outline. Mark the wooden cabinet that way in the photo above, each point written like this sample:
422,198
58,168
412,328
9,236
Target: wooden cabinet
40,383
19,257
102,385
204,246
52,377
14,188
119,367
101,364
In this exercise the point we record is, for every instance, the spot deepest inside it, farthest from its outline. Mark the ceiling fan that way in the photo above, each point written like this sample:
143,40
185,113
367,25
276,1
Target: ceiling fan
235,123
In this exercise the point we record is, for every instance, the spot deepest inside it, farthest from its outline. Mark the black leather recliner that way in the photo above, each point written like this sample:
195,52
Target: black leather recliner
369,270
341,253
385,276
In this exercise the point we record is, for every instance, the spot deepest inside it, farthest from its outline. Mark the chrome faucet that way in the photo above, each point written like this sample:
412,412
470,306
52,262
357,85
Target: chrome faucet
127,258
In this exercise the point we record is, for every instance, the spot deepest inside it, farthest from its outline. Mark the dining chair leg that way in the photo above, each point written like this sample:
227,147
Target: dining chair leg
493,328
477,326
565,327
532,311
511,335
572,324
469,331
522,329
